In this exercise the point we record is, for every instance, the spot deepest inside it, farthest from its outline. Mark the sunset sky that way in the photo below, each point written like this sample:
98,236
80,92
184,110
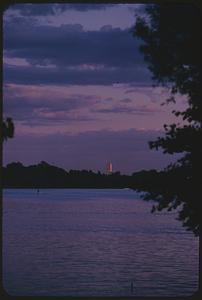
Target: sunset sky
78,90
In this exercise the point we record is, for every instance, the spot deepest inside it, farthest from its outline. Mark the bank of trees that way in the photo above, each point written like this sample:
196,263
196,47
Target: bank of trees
44,175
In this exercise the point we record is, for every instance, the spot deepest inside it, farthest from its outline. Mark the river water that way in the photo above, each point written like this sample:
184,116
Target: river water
94,242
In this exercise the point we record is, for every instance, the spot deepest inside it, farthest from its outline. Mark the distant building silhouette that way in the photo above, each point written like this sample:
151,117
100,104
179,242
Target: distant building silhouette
109,168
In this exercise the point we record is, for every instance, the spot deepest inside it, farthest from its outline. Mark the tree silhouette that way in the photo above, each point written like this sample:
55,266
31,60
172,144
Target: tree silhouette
7,129
171,34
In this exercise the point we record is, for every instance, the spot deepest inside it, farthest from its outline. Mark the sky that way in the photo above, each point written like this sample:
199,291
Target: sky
78,89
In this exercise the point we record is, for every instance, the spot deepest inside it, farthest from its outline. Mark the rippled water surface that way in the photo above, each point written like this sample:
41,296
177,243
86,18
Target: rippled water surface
94,242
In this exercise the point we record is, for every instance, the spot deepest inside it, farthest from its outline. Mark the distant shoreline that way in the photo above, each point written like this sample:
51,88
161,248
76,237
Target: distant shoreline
68,188
46,176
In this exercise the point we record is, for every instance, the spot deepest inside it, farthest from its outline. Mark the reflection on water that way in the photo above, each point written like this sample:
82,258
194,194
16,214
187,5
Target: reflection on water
93,242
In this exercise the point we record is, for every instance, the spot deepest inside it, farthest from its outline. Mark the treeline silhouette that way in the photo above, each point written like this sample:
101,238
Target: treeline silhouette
44,175
171,48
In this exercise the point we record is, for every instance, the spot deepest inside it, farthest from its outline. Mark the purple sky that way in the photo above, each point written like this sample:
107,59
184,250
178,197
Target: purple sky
78,89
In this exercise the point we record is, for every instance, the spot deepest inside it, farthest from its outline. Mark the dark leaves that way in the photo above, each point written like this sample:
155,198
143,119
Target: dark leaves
7,129
171,47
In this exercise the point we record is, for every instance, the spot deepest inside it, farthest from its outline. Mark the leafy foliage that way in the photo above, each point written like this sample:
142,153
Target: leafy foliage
7,129
170,37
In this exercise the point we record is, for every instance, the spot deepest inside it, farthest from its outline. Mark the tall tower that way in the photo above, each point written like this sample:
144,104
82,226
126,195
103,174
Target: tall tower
109,168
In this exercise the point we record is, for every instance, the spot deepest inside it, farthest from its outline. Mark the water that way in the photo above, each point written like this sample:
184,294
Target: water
94,242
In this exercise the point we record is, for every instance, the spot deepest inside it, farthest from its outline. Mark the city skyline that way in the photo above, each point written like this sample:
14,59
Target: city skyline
78,89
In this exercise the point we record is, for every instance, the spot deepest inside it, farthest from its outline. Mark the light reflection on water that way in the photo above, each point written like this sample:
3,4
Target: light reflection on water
93,242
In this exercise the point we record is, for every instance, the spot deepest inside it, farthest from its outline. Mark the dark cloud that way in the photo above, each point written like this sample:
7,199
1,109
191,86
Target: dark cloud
31,9
70,45
130,91
87,7
38,111
67,76
44,108
51,120
126,100
138,110
89,150
138,9
109,99
80,57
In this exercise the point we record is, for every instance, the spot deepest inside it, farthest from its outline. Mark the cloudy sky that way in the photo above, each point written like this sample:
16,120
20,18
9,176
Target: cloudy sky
78,89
